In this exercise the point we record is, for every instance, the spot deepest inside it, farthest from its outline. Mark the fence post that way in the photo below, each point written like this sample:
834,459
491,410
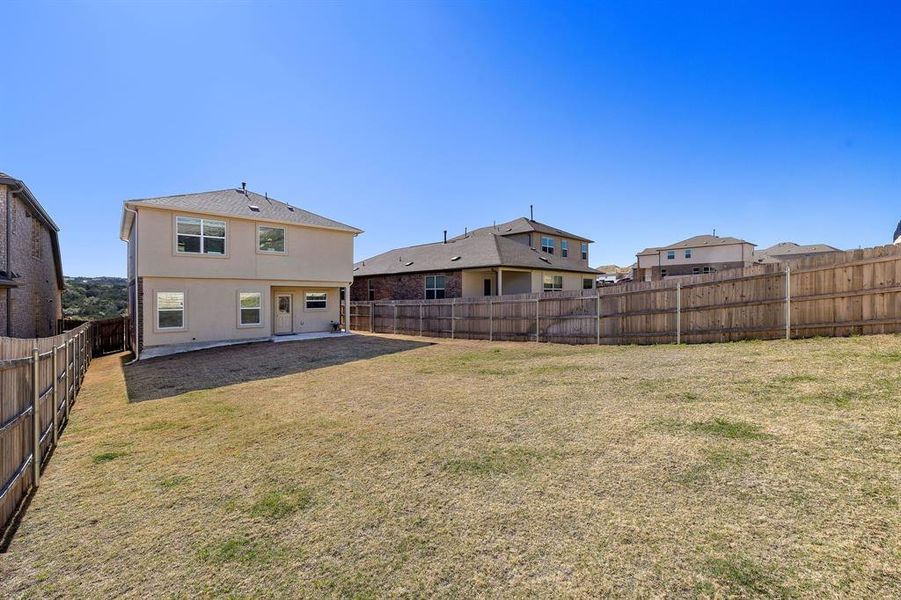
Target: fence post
54,394
453,316
537,321
395,319
420,319
372,317
599,319
678,312
788,303
35,415
68,381
490,321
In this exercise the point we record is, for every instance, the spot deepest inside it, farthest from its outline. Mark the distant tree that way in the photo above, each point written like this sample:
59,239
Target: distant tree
95,297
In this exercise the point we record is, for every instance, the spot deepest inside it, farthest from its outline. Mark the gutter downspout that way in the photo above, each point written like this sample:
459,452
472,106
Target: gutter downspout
135,317
9,227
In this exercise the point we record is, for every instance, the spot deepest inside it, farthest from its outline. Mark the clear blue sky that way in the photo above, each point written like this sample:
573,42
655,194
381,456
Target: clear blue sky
635,125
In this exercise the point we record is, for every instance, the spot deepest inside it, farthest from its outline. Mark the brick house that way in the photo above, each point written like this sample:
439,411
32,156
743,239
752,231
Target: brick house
521,256
31,276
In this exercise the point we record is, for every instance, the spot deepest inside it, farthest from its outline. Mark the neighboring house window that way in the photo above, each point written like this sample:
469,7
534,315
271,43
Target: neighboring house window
670,254
547,245
315,300
663,272
553,283
170,310
584,250
271,239
696,270
564,248
587,283
707,270
434,287
200,236
688,253
371,289
250,308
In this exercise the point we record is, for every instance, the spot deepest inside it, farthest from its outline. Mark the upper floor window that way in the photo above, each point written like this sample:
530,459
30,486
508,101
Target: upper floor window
200,236
688,253
271,239
370,288
553,283
547,244
564,248
434,287
584,250
670,254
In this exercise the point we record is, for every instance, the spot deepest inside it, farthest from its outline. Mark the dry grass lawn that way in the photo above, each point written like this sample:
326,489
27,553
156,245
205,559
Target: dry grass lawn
474,469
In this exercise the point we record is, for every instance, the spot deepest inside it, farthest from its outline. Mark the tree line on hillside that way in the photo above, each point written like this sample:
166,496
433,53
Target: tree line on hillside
89,298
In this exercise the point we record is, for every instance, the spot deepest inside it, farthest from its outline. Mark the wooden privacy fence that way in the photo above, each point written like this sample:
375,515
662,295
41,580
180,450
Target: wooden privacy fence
39,381
835,294
111,335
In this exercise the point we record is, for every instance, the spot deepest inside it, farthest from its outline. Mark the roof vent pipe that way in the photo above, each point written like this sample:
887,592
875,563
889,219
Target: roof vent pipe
244,187
445,236
531,212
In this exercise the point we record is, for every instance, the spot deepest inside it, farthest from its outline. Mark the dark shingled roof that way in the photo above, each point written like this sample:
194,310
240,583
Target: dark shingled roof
522,225
898,232
793,249
474,251
234,202
698,241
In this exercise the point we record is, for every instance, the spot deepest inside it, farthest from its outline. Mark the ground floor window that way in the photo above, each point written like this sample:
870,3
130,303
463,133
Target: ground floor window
553,283
587,283
371,290
315,300
170,310
250,308
434,287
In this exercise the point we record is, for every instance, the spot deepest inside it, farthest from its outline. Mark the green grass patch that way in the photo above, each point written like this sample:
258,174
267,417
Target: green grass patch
788,379
736,430
494,462
104,457
239,549
277,504
172,482
744,577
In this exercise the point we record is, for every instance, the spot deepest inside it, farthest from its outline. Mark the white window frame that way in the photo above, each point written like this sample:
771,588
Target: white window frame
553,283
434,287
284,239
259,309
687,253
548,244
224,238
156,311
370,290
670,255
306,300
584,250
591,283
564,248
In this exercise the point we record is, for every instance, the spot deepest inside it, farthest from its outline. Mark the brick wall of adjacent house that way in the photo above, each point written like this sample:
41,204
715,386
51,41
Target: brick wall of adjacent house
406,286
36,302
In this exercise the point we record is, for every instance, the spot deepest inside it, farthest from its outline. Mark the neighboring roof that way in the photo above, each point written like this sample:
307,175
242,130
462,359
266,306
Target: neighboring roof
698,241
21,190
233,202
898,232
793,249
522,225
473,251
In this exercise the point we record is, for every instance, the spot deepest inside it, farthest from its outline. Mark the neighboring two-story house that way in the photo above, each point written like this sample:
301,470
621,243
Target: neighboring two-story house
31,279
522,256
231,265
696,255
788,250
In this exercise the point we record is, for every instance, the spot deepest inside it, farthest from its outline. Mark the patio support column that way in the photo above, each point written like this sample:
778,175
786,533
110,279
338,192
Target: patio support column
347,308
500,286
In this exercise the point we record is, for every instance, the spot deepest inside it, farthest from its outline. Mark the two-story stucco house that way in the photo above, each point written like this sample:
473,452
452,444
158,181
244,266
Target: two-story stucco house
231,265
696,255
31,272
519,257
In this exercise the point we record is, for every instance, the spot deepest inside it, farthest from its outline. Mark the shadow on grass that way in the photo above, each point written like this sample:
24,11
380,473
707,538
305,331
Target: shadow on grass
176,374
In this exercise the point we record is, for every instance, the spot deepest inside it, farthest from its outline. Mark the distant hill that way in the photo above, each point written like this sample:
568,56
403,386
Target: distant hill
95,297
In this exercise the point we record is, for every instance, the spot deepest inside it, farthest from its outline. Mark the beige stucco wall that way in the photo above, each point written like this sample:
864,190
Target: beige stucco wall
699,255
211,310
474,283
312,254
